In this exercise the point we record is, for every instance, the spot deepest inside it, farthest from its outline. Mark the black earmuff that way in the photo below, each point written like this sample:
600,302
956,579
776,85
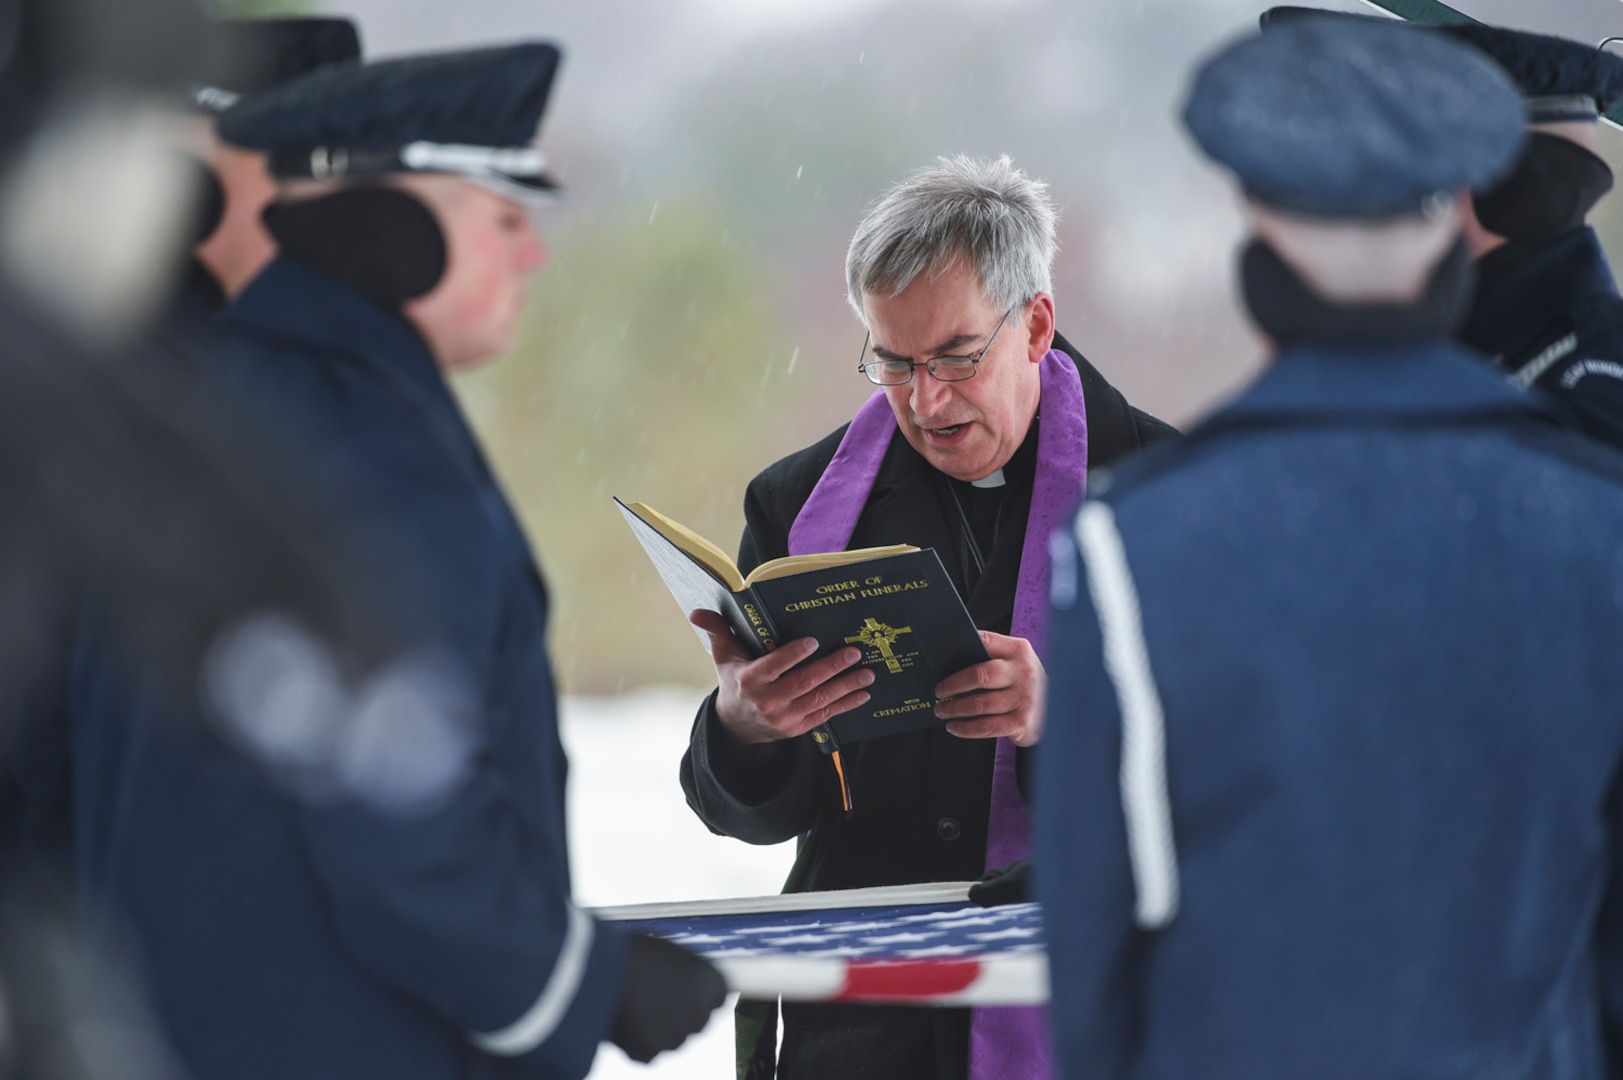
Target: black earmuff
382,242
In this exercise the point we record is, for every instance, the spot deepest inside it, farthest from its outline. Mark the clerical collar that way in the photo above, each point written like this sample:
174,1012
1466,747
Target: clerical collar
1015,474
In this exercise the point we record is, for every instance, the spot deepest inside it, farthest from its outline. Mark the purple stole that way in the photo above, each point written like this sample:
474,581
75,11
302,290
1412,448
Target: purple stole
1005,1043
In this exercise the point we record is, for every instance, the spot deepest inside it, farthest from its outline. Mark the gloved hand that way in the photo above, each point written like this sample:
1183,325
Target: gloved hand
1003,885
669,994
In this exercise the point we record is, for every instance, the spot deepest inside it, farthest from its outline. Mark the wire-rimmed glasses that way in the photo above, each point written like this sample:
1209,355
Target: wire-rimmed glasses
943,368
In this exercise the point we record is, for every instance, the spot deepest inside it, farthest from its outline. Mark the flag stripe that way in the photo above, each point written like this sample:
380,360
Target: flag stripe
926,954
920,978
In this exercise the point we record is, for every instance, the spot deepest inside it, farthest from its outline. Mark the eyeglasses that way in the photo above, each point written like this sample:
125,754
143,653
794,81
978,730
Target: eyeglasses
942,368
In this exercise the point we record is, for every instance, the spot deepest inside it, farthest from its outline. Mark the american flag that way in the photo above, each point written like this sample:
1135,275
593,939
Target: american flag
935,953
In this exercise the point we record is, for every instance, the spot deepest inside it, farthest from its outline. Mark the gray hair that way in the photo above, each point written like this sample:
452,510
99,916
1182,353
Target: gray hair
984,211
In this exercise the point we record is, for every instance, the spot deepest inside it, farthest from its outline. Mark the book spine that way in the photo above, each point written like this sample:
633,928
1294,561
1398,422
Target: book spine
752,622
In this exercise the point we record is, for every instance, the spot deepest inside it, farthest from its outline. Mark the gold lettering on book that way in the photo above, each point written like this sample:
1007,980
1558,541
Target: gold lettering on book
830,594
820,601
758,624
876,635
886,590
910,705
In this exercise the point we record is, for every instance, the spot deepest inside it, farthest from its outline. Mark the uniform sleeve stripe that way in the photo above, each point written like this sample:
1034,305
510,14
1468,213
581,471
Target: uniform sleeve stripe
1529,372
1150,846
541,1019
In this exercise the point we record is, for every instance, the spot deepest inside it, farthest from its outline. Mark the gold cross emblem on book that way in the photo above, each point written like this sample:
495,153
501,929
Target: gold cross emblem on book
876,635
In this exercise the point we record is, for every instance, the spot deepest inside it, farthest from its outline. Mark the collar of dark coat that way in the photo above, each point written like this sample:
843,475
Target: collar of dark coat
1521,295
1115,429
318,316
1435,379
313,316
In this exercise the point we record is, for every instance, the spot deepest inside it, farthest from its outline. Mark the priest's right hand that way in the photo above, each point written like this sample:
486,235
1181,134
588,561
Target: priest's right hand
763,699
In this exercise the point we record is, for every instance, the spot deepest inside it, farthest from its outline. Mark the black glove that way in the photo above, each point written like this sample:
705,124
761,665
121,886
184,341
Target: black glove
669,994
1003,885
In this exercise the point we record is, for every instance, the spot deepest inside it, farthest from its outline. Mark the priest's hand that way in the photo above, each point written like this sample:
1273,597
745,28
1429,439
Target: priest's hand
1002,696
763,699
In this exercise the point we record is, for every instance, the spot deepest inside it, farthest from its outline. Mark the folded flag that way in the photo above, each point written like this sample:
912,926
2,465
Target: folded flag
941,953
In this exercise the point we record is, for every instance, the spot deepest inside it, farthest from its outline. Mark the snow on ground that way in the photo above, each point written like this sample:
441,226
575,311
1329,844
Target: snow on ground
632,840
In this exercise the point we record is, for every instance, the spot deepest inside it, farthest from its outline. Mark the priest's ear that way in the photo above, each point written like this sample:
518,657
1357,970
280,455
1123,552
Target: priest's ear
1039,323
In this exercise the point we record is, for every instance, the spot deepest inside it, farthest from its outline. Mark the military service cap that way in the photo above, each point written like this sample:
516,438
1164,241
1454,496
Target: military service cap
1354,118
247,56
475,113
1561,79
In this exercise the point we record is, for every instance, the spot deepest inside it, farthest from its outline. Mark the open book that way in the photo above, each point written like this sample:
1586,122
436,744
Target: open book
895,603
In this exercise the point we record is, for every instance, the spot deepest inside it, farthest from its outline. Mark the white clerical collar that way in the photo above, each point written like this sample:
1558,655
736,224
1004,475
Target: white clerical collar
993,481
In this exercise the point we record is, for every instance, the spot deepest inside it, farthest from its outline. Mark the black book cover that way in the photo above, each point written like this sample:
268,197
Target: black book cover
900,609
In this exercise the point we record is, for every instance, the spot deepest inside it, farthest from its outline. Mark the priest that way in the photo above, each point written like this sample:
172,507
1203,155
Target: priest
976,443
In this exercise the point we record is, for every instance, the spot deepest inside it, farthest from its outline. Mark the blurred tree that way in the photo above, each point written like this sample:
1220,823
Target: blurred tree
652,359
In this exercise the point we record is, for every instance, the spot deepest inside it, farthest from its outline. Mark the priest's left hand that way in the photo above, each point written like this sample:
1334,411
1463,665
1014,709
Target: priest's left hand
1002,696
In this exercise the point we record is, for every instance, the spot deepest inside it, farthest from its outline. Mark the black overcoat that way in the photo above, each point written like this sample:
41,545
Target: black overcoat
921,798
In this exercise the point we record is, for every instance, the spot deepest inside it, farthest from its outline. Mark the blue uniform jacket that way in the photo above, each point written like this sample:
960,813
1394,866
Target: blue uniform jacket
1328,785
326,937
187,336
1553,320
